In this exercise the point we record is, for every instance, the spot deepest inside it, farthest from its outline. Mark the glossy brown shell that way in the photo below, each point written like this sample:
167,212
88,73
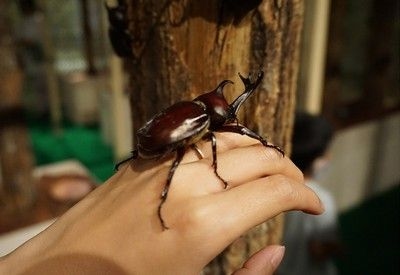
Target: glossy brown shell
176,124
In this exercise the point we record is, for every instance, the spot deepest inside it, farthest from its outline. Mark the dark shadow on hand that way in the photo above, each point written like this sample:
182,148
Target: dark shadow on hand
76,264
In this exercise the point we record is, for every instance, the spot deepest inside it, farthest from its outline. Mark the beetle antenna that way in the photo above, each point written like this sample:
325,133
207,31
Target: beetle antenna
249,89
222,85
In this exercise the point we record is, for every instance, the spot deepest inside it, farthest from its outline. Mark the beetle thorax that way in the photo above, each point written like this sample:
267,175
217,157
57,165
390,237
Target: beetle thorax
216,108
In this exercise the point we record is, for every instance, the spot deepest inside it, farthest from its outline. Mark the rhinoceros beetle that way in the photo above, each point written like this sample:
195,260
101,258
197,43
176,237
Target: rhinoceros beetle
181,125
118,31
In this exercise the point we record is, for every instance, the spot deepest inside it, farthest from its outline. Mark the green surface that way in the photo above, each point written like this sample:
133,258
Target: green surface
371,235
74,142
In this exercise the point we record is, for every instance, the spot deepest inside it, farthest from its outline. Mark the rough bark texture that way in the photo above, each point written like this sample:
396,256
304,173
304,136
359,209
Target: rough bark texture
16,157
182,48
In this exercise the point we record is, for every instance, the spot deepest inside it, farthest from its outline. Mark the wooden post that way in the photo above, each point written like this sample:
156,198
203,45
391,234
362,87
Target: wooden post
182,48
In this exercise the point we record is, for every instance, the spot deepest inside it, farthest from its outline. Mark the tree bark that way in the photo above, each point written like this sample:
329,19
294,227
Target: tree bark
182,48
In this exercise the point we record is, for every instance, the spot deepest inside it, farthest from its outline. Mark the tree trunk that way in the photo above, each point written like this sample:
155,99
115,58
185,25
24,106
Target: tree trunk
182,48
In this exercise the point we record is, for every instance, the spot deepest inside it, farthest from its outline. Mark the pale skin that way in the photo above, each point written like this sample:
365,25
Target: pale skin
116,230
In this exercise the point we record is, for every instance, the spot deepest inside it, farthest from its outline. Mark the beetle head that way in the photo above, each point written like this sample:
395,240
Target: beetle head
218,109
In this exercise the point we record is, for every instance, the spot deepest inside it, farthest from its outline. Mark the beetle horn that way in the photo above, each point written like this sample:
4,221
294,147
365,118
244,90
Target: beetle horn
249,89
222,85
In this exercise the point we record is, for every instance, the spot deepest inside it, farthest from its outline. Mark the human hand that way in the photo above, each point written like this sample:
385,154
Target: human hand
116,227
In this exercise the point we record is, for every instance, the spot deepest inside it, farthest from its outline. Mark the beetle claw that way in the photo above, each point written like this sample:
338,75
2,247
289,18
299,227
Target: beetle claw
163,225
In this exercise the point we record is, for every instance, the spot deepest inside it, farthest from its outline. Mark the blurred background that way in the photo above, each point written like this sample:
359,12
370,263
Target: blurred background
65,118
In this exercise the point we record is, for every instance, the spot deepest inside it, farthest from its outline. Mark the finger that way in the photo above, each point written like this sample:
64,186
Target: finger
225,141
248,163
264,262
260,161
237,210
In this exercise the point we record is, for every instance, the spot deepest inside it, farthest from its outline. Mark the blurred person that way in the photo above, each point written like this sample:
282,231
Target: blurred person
311,241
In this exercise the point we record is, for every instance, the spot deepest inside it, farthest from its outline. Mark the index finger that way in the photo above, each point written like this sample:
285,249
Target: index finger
236,166
230,214
225,141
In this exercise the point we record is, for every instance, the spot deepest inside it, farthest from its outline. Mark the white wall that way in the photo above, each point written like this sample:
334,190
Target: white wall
365,160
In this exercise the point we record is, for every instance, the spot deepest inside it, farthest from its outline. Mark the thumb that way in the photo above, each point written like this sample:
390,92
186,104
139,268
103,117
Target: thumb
264,262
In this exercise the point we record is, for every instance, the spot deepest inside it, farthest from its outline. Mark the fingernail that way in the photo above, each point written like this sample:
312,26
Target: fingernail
278,256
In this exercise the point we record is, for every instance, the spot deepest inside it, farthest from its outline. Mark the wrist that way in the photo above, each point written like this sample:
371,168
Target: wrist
23,257
9,264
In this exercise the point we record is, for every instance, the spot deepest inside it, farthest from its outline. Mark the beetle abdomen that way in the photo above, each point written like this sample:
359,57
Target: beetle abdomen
181,121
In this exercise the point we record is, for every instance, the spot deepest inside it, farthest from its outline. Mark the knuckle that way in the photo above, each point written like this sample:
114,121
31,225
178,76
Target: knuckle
296,172
192,218
267,154
299,175
206,166
286,190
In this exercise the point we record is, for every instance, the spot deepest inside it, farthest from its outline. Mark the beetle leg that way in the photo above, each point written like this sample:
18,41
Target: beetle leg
180,152
210,136
246,131
237,122
134,156
198,151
